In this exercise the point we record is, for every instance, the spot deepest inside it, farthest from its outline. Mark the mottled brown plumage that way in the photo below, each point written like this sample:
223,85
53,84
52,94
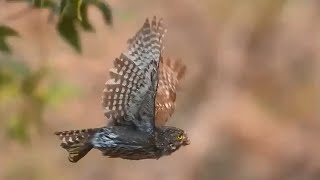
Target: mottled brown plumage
170,72
138,100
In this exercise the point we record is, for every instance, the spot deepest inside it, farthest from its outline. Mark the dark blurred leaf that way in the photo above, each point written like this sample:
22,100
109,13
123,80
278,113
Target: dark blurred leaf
49,4
67,29
70,14
4,46
85,24
62,7
71,9
5,32
37,3
106,11
78,4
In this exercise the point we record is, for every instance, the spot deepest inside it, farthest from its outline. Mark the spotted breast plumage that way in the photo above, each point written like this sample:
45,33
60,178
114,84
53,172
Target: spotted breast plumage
138,100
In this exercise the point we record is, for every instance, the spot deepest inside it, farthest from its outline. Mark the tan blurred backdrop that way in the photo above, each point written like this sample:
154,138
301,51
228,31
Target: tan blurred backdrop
250,100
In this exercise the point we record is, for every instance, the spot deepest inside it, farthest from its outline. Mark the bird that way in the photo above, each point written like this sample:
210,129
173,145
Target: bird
138,100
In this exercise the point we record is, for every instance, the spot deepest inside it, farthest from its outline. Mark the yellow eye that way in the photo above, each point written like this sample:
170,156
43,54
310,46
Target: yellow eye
180,137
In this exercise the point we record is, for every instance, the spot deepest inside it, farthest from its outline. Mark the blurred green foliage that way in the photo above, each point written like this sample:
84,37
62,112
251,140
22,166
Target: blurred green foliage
71,14
5,32
26,92
24,95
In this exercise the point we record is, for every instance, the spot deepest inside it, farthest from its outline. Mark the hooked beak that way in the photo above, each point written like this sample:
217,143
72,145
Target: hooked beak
186,141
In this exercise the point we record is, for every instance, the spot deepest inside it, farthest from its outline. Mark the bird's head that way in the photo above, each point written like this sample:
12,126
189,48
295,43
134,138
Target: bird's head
170,139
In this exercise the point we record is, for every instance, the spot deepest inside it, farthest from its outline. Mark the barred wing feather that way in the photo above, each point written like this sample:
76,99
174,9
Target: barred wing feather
129,96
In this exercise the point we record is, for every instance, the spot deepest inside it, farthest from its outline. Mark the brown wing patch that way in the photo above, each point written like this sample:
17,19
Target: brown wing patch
170,72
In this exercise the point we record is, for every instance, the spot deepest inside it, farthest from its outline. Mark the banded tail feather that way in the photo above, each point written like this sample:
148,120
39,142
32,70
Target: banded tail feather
77,142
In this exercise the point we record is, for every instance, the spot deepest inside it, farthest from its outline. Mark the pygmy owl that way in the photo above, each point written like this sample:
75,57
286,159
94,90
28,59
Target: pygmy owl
138,100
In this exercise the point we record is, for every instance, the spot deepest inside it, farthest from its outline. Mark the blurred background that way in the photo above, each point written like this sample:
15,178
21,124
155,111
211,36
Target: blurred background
250,99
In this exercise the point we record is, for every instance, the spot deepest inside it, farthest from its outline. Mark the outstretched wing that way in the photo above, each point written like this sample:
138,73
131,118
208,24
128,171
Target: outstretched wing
129,96
170,72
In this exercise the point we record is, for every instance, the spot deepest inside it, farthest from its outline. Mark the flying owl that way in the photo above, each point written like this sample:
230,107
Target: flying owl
138,100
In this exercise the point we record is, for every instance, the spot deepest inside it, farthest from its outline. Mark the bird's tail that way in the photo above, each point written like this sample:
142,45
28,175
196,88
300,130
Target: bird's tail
77,142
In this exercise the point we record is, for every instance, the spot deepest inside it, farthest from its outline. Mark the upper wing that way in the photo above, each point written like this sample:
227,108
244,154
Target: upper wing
129,96
170,72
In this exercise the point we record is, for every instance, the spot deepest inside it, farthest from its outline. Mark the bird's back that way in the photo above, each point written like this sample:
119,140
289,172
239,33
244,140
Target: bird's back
125,142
